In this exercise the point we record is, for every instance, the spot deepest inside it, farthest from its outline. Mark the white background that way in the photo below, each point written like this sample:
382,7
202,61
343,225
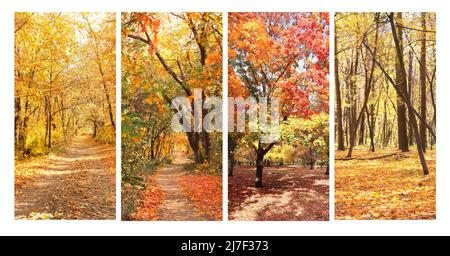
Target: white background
8,226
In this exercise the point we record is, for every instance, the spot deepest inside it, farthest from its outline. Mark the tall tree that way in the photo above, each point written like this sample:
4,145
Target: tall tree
400,87
400,78
368,85
190,65
340,128
388,78
423,83
100,49
280,55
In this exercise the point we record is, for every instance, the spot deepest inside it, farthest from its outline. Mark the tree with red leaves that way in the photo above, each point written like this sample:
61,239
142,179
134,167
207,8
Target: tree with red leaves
279,55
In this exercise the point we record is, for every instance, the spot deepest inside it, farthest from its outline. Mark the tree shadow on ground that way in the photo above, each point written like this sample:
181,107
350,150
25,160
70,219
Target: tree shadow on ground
289,193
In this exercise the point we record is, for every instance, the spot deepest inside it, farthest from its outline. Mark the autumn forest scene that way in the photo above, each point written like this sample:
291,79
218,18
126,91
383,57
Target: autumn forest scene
170,175
173,135
280,57
64,120
385,73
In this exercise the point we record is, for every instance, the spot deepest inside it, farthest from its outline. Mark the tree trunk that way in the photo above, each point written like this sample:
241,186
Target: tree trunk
385,126
358,120
423,85
95,130
231,164
433,104
194,142
412,116
400,79
108,100
353,99
259,167
371,124
232,144
340,128
367,89
312,160
312,164
410,95
17,109
46,120
50,124
361,130
412,119
63,120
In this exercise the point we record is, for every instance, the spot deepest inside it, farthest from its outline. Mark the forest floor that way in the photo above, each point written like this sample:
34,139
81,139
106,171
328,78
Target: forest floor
77,183
289,194
174,194
385,185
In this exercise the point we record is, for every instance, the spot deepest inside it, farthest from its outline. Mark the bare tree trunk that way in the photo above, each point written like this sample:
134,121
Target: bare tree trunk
50,123
385,125
340,128
412,119
410,95
371,124
46,120
400,79
423,85
63,120
354,120
433,104
412,116
17,110
362,129
259,167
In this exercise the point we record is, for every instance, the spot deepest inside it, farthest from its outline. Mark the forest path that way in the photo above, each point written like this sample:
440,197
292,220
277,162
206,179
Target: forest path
385,188
290,193
78,183
176,206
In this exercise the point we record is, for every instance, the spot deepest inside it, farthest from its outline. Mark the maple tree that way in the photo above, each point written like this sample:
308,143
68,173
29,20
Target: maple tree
64,106
385,73
164,56
282,55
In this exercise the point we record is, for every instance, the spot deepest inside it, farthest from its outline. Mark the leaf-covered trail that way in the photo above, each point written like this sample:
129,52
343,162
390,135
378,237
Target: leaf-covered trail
290,193
176,206
78,183
385,188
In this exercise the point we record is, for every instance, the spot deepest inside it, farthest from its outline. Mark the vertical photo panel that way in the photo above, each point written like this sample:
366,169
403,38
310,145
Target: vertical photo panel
385,73
172,116
278,83
64,103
